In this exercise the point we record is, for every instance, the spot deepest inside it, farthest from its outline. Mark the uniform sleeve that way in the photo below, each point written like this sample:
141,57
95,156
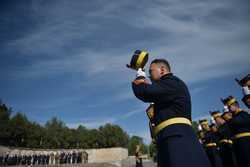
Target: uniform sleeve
151,92
242,120
246,119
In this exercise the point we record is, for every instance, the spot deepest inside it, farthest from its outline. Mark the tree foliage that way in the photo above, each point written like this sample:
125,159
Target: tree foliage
16,130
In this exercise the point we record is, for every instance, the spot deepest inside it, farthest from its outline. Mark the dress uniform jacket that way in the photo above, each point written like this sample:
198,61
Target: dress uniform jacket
226,146
210,144
240,127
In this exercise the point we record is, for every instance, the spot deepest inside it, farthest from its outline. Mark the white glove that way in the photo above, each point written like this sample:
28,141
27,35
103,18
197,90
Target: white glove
246,90
226,109
212,120
140,73
199,127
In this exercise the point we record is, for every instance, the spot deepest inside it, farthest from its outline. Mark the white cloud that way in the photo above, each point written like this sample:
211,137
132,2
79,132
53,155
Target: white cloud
197,90
92,123
95,45
197,50
98,121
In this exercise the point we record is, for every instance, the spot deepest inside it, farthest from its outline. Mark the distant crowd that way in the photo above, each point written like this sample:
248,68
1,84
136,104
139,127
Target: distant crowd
31,157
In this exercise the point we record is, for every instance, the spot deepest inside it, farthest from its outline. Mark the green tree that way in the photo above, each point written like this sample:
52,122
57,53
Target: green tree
4,124
152,150
35,136
113,136
54,137
133,142
94,139
19,130
195,126
82,134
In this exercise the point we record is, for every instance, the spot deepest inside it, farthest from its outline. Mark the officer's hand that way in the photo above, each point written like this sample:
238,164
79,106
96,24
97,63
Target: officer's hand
140,81
246,90
140,73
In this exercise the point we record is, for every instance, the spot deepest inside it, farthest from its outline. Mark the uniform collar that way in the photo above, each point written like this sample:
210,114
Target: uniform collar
166,75
238,111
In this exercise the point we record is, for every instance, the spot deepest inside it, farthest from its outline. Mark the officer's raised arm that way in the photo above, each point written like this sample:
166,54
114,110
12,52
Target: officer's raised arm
152,92
147,92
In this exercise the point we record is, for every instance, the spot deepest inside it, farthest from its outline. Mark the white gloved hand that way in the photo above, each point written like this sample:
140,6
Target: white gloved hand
226,109
199,128
140,73
212,120
246,90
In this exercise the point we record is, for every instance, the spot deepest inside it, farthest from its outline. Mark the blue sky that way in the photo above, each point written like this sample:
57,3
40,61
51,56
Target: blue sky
67,58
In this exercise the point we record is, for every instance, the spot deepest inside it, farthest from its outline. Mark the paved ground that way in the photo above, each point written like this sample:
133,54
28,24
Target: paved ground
130,162
145,164
149,164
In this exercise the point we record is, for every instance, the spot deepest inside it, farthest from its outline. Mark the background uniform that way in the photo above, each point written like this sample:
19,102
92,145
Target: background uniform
226,146
240,127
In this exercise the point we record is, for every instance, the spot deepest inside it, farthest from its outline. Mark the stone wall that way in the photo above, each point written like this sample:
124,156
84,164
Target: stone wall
107,154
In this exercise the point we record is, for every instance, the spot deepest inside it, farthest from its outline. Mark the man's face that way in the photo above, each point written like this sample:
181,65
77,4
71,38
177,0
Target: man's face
214,129
234,107
228,116
205,127
155,72
201,134
219,121
247,101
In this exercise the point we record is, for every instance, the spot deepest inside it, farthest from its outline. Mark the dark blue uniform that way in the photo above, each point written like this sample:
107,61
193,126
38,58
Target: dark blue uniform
226,146
177,144
210,144
239,124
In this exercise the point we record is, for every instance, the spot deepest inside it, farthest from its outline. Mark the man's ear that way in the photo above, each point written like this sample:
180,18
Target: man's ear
162,70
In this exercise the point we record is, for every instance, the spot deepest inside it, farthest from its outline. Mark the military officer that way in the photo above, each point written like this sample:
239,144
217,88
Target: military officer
245,84
176,141
225,142
210,143
240,128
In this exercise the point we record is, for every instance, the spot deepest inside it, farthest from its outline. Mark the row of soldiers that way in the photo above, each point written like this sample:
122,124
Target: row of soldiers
28,157
227,139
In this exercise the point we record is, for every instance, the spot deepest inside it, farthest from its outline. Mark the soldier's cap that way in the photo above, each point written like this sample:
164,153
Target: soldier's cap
139,59
244,81
229,100
215,114
203,121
